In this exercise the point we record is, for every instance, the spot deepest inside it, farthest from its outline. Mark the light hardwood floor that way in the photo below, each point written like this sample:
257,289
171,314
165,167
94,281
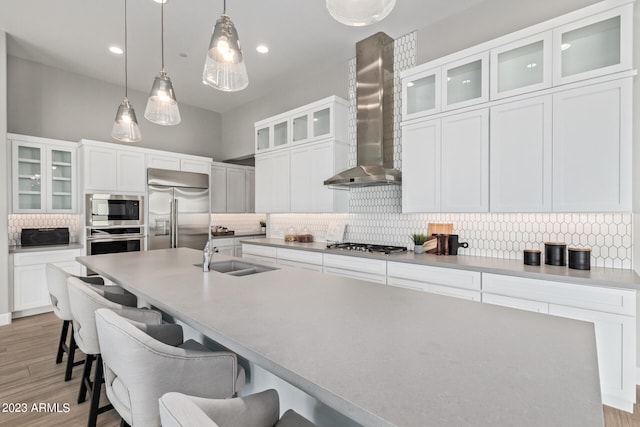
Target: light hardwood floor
29,375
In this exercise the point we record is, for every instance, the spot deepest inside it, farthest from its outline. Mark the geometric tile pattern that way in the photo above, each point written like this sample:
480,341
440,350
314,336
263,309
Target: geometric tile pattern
16,222
375,212
494,235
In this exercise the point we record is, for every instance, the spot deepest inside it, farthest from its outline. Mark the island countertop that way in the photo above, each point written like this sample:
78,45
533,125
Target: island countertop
382,356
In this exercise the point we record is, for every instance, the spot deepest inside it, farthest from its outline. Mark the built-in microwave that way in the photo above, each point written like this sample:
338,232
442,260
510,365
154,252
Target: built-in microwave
114,210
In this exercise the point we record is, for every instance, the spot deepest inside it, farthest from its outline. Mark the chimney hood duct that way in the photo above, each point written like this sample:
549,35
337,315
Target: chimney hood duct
374,104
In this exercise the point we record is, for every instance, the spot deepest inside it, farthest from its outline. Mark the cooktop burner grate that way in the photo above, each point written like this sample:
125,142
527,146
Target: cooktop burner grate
365,247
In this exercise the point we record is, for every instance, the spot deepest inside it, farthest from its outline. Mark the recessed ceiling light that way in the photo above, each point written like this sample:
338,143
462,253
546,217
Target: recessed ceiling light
115,49
410,84
262,48
565,46
160,1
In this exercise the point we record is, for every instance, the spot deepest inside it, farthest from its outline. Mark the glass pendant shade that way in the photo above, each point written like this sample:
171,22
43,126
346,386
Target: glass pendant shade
162,107
225,68
125,128
358,13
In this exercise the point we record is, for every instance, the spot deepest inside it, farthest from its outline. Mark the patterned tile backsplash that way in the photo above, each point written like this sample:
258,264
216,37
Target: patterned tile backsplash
376,212
19,221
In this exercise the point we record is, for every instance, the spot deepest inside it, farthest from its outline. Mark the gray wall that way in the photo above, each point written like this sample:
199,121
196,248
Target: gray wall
237,125
4,183
486,21
52,103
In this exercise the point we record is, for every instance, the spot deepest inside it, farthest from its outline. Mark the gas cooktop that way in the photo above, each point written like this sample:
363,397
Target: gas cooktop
365,247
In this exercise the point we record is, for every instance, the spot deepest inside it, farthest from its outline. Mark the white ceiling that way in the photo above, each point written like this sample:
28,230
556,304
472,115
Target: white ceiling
74,35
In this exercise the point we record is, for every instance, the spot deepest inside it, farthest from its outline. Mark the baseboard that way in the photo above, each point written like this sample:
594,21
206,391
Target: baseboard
31,311
5,319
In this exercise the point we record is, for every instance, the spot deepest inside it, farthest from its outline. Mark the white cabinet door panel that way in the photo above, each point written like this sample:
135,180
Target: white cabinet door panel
421,167
235,190
218,189
465,162
521,150
592,148
616,363
131,172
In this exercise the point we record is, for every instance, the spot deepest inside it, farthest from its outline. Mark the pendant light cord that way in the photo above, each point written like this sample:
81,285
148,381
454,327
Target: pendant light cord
224,7
162,32
126,51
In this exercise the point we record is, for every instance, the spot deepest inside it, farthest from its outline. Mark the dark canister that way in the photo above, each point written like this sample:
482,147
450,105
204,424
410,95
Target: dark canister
555,253
580,258
454,244
532,256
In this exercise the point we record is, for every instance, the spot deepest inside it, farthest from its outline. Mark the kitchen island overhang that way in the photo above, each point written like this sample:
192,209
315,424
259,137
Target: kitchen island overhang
380,355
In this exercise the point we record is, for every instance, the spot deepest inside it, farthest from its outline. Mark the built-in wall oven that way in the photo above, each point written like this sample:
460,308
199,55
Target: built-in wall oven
108,240
115,223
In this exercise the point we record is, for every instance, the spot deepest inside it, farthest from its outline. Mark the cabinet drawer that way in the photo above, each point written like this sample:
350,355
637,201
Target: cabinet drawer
436,275
434,289
370,277
300,256
265,251
259,258
223,242
521,304
610,300
303,265
364,265
35,258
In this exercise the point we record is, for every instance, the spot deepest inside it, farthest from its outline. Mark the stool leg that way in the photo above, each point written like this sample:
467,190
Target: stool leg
85,381
63,339
95,393
71,354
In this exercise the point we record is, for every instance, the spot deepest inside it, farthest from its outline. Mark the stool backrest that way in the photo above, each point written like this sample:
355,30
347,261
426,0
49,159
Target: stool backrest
57,284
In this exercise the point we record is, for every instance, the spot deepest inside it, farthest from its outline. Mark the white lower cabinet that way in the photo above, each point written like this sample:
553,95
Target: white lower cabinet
30,291
225,246
612,311
372,270
436,280
301,259
267,254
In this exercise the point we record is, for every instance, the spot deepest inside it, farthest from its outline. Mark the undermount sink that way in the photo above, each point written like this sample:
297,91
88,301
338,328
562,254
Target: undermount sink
237,268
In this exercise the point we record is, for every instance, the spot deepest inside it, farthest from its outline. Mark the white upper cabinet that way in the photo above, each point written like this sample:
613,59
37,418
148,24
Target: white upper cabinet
43,175
109,168
273,134
218,188
421,167
421,94
465,82
594,46
291,178
592,148
522,66
521,144
465,162
326,118
445,164
163,161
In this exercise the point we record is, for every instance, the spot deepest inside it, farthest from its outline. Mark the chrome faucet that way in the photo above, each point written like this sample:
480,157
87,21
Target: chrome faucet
207,255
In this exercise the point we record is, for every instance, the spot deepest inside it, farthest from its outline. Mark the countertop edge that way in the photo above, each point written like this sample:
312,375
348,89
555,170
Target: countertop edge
44,248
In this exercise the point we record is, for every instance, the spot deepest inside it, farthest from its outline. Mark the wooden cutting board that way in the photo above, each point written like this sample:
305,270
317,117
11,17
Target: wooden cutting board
434,228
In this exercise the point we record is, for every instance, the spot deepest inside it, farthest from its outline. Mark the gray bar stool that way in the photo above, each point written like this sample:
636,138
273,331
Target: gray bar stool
256,410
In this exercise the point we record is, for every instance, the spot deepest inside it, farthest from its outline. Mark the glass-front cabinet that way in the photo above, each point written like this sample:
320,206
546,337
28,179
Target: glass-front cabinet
593,46
43,175
465,82
319,120
272,135
421,93
522,66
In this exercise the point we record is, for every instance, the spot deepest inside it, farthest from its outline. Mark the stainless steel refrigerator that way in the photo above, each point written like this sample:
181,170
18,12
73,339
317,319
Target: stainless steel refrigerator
178,209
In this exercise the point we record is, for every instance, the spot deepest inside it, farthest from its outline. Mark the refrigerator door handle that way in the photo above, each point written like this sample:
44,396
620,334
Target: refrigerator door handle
171,222
175,223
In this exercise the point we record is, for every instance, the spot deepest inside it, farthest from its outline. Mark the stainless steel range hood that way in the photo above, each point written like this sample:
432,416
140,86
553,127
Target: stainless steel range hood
374,103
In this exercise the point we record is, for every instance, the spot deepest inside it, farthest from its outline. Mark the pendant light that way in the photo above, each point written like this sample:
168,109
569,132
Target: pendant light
224,68
162,106
358,13
125,127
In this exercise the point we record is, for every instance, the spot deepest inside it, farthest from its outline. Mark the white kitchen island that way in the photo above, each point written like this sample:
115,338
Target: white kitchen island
380,355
